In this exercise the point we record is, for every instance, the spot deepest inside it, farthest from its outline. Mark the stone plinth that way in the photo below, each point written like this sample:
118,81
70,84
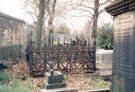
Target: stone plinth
55,85
54,79
123,70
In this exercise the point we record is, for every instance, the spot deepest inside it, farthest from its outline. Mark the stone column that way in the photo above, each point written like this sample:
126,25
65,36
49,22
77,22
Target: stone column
123,72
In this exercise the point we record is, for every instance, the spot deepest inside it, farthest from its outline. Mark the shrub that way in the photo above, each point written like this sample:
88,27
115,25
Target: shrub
105,37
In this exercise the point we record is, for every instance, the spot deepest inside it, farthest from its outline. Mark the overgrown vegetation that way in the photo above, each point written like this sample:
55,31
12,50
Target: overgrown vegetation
105,37
6,85
97,82
17,86
4,78
86,83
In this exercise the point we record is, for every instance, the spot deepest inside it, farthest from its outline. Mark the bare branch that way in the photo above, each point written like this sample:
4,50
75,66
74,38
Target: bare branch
83,10
85,6
81,16
105,2
32,15
101,11
36,3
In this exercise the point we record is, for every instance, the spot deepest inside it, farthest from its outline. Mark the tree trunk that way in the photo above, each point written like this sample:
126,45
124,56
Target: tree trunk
40,23
50,24
50,21
95,24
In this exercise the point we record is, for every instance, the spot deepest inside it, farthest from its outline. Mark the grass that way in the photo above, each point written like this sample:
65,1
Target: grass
16,86
86,83
4,77
67,77
20,86
96,82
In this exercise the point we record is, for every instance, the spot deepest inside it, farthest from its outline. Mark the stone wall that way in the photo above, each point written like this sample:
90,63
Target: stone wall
12,34
11,30
30,28
61,37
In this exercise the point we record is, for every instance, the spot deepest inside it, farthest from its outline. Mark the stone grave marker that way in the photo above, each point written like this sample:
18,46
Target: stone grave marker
54,79
123,70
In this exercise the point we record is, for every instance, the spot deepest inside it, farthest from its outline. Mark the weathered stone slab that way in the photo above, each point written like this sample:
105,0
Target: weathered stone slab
123,72
67,89
56,78
97,90
104,71
55,85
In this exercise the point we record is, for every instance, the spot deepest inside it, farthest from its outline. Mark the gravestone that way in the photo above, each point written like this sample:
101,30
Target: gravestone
54,79
123,72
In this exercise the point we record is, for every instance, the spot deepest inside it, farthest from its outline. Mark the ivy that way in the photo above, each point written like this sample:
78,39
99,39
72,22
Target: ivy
105,37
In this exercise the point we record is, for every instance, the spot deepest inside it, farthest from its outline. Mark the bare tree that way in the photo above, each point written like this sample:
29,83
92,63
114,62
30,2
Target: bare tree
90,9
40,23
51,11
32,8
36,9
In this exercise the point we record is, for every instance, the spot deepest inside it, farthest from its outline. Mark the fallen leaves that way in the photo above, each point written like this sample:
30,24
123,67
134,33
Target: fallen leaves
83,83
20,71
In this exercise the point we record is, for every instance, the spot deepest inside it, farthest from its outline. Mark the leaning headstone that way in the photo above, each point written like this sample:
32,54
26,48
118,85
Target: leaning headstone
123,73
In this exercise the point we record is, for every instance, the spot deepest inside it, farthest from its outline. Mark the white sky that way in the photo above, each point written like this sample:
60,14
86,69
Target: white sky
14,8
11,7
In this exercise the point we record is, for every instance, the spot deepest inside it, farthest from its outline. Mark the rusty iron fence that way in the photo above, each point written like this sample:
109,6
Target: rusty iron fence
67,58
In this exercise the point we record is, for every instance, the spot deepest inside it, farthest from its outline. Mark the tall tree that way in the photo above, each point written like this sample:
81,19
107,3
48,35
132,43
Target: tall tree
36,9
51,11
90,9
40,23
32,8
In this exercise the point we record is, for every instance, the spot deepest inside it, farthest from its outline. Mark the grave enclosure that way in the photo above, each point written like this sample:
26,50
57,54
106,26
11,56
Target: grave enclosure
123,73
68,58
